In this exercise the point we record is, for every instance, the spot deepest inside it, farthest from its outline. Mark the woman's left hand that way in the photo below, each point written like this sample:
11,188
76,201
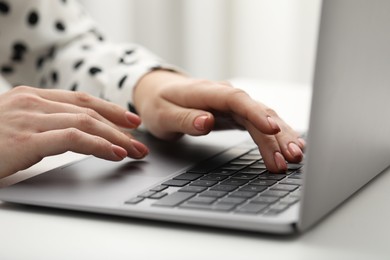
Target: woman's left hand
171,105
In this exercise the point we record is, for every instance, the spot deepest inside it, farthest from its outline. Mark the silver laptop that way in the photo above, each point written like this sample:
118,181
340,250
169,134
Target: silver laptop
220,180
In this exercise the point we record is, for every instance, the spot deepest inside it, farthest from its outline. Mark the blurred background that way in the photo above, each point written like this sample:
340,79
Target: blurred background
220,39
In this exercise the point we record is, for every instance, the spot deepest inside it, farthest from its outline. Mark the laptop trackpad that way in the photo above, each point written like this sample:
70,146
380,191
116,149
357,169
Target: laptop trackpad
94,181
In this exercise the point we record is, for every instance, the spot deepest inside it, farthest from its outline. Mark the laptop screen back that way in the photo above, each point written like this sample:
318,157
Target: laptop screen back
349,133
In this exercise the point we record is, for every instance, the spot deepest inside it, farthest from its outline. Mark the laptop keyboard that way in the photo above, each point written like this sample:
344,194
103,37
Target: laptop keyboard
242,185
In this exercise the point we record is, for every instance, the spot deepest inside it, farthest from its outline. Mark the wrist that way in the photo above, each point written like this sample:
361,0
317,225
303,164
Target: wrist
152,82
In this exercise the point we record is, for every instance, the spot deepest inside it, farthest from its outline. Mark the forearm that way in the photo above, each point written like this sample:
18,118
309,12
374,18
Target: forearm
61,47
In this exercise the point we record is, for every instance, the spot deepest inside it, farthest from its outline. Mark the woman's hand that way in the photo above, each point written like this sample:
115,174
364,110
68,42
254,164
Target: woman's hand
36,123
171,105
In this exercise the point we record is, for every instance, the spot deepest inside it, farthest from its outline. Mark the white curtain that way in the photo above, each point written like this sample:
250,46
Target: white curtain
220,39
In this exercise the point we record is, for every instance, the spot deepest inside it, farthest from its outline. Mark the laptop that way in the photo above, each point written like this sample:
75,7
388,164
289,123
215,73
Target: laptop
220,180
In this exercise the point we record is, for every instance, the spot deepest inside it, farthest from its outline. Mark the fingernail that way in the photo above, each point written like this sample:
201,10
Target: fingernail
294,150
139,149
280,161
272,123
200,122
133,119
119,151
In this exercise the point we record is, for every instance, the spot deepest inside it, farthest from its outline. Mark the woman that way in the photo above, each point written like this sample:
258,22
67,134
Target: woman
55,45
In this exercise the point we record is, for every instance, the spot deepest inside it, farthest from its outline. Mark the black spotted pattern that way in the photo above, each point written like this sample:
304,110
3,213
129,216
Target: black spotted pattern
94,70
131,108
59,26
19,49
54,77
40,62
74,87
122,81
7,69
61,53
78,64
4,7
32,18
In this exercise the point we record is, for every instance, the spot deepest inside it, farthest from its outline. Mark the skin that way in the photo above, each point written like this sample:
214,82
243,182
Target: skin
36,123
172,104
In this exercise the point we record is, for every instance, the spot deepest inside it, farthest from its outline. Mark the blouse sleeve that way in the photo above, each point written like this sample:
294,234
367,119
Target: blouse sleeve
55,44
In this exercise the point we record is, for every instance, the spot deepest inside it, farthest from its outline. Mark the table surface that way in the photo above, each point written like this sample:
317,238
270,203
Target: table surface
359,229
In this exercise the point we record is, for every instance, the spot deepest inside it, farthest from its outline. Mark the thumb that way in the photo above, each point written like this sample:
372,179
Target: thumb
202,123
189,121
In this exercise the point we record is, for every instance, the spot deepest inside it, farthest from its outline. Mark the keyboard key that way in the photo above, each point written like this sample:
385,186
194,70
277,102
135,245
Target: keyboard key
201,200
176,183
159,188
251,208
294,166
215,162
285,187
254,157
213,193
214,177
234,182
296,193
276,209
233,167
265,199
147,194
255,150
134,200
291,181
243,194
174,199
244,176
188,176
272,176
263,182
195,189
213,207
258,165
251,170
275,193
289,172
289,200
158,195
296,175
204,183
226,188
223,207
242,162
255,188
223,172
232,200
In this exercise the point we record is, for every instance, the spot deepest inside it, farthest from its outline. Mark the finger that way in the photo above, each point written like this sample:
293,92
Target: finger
224,98
71,139
90,125
53,107
290,148
302,143
108,110
176,119
290,143
269,149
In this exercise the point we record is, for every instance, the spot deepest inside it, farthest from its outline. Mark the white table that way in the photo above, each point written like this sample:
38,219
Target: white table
358,230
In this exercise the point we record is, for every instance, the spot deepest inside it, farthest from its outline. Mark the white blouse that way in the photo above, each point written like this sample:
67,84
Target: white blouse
55,44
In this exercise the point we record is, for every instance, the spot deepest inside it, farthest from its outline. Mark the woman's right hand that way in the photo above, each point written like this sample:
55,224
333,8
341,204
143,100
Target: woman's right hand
36,123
